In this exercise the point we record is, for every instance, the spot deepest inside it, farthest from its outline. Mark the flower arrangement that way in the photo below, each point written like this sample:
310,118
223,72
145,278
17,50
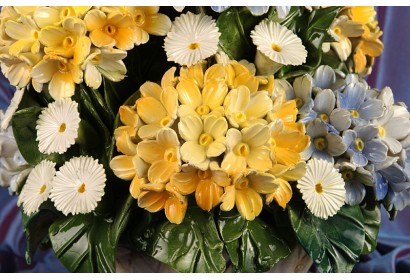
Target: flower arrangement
200,135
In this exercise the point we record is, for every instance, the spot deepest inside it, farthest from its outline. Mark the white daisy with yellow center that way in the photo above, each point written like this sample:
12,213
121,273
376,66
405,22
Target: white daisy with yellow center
78,186
57,126
322,188
37,187
191,38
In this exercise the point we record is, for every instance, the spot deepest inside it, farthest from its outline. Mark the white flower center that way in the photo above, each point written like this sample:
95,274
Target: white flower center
62,128
194,46
276,47
42,189
81,188
319,188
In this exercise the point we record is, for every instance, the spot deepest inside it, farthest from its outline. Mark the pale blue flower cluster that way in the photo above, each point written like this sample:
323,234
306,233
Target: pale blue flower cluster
359,129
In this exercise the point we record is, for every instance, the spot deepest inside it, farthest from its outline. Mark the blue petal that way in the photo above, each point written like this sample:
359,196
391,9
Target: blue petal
355,192
323,155
352,96
371,109
283,11
399,187
340,119
380,186
366,132
397,201
394,173
325,101
375,150
324,77
309,117
258,10
358,159
219,9
349,136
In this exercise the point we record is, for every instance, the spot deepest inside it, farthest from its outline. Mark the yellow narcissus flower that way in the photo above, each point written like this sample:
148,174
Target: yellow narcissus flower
61,74
205,139
244,109
157,108
26,34
69,41
247,148
207,185
362,14
155,197
111,30
163,155
107,62
45,16
245,192
282,194
238,74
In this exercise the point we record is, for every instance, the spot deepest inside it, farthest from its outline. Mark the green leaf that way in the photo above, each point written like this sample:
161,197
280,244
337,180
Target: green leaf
235,25
253,246
334,244
88,243
192,246
372,220
25,133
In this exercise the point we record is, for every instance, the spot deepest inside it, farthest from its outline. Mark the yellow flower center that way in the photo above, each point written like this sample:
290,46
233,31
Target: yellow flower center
337,30
202,110
347,175
63,67
276,48
324,117
320,143
42,189
68,42
203,175
96,59
354,113
139,17
194,46
242,184
165,121
170,155
205,139
241,149
318,188
299,102
239,117
81,189
382,132
359,144
35,34
66,12
62,128
110,30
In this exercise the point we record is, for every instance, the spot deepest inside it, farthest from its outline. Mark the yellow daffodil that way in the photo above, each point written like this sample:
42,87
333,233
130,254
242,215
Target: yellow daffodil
61,75
238,74
245,192
205,139
114,29
107,62
244,109
247,148
155,197
49,16
282,194
163,155
69,41
207,185
286,111
362,14
157,108
193,102
26,34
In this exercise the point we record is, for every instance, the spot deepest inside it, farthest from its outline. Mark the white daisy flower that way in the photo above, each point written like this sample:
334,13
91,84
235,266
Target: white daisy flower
191,38
37,187
78,185
322,188
276,43
57,126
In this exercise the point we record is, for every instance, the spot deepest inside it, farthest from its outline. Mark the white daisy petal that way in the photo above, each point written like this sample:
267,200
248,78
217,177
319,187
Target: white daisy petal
57,126
191,39
37,187
78,186
322,188
279,43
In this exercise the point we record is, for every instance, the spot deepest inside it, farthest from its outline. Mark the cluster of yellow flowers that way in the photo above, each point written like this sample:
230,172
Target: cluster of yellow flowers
224,134
64,46
357,33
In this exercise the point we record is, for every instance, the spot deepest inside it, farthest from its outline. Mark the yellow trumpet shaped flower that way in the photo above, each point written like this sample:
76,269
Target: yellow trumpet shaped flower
26,34
54,16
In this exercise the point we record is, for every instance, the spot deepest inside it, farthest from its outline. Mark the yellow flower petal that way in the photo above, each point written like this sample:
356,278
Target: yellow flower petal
158,24
125,144
185,182
151,89
190,128
282,194
215,72
208,194
150,151
175,209
259,159
263,182
162,170
214,93
193,153
150,110
189,94
123,167
233,164
148,131
152,201
193,72
228,199
249,203
135,186
129,116
169,99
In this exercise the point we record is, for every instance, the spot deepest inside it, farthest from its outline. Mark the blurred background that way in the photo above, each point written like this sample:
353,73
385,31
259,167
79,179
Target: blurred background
393,252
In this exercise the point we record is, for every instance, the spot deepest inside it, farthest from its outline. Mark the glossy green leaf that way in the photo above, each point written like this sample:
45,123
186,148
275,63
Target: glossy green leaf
253,246
235,25
192,246
25,133
334,244
87,243
372,220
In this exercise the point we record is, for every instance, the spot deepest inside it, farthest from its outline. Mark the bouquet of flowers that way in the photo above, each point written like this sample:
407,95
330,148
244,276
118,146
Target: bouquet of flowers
200,136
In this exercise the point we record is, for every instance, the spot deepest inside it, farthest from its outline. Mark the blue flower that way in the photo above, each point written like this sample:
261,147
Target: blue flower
362,146
257,10
362,110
